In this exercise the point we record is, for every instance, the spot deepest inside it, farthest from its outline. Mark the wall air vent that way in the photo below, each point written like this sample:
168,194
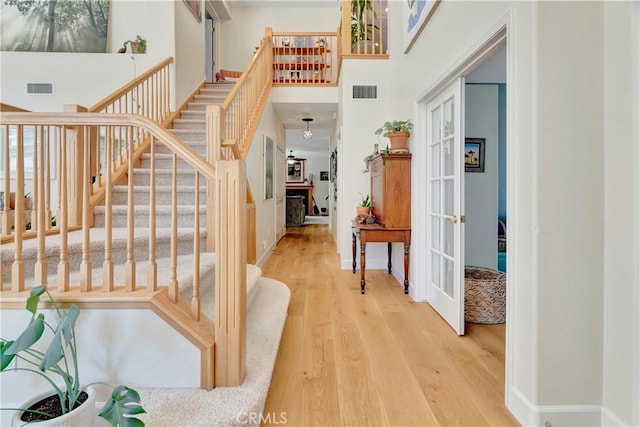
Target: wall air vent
39,88
364,92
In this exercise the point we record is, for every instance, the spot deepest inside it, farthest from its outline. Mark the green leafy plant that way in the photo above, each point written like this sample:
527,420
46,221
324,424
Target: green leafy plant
142,43
395,126
365,200
58,363
360,28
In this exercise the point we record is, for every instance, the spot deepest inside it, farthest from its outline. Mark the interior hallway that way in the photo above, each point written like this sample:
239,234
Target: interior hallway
376,359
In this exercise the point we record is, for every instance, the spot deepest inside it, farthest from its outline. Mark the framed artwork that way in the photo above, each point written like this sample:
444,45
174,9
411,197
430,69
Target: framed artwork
474,154
54,26
195,6
324,175
415,15
268,167
295,171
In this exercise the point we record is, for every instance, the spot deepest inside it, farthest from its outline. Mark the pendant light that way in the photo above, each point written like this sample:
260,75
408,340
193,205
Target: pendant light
307,134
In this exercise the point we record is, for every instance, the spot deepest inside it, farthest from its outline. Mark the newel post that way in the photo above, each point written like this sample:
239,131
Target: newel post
230,237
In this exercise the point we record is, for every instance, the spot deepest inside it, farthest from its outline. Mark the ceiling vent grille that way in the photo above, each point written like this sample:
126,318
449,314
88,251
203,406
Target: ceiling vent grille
364,92
39,88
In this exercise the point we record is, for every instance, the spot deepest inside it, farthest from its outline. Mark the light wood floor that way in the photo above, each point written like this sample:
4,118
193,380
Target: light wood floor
378,359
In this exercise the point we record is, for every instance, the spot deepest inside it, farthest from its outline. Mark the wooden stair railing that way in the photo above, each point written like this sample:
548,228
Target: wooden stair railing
305,58
65,127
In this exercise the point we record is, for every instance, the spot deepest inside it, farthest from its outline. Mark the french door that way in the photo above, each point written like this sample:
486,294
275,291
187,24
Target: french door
445,205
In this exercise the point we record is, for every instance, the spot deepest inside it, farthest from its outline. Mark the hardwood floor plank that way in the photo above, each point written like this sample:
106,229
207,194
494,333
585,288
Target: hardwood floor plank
378,359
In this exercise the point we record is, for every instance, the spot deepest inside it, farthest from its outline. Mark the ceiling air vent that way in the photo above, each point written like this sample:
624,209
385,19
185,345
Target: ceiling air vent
364,92
39,88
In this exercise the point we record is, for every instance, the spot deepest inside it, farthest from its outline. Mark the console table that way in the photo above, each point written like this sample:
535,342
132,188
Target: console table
390,185
377,233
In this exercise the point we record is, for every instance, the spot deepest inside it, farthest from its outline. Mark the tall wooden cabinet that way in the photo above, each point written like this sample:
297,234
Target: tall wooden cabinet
391,189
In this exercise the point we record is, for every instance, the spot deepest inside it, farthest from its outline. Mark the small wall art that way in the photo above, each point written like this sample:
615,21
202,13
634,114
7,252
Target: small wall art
474,154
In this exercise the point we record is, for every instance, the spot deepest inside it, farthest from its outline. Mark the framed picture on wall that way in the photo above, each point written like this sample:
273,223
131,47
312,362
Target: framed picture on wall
268,167
415,15
195,7
295,171
474,154
324,175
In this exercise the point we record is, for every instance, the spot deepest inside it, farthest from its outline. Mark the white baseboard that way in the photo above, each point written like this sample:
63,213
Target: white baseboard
609,419
529,414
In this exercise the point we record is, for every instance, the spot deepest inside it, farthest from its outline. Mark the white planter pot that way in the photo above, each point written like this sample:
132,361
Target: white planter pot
83,416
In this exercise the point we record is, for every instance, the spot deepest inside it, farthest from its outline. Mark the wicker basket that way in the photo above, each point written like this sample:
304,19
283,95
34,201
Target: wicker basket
484,295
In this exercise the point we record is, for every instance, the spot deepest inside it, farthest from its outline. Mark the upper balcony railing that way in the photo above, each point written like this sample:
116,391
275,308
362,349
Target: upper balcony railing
364,29
307,58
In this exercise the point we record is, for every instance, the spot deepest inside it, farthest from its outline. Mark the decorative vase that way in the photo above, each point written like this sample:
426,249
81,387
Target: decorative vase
82,416
398,140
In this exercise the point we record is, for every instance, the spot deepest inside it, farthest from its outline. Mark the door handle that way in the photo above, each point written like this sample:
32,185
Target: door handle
453,219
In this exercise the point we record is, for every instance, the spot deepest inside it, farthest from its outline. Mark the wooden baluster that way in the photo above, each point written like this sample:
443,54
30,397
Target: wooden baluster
41,268
62,219
85,264
152,267
6,214
37,136
195,301
130,266
50,135
17,269
173,281
107,265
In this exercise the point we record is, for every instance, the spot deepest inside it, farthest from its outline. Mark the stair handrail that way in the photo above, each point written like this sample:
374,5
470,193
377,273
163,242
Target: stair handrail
243,106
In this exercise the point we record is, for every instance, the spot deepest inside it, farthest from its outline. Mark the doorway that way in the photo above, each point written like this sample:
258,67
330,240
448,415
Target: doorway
210,48
444,212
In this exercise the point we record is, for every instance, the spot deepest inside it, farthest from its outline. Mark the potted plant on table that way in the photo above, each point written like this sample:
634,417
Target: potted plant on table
398,132
58,365
365,205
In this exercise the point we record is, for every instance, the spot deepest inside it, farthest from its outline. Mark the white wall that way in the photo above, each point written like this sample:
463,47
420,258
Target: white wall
189,50
621,356
481,189
266,222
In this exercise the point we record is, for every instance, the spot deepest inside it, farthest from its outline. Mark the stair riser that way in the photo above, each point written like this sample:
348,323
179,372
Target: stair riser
210,99
163,178
185,218
198,146
189,124
162,197
162,163
96,255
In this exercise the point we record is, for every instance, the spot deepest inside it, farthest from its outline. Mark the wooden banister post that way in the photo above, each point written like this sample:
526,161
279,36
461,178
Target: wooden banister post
230,273
346,27
75,156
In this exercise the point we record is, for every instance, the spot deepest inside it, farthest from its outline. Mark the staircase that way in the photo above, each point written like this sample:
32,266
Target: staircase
190,128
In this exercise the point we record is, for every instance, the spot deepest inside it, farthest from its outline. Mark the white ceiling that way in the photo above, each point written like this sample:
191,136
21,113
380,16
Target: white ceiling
324,119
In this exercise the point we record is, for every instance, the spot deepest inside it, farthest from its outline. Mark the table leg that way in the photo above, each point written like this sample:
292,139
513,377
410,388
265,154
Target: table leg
353,252
406,268
389,257
363,249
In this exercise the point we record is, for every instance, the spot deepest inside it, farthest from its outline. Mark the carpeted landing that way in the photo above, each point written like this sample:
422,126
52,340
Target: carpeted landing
229,406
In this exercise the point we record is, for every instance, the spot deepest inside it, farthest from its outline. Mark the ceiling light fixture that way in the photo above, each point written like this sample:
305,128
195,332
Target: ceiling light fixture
291,158
307,134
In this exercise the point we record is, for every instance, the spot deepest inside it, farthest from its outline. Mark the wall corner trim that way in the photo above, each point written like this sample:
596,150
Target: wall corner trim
529,414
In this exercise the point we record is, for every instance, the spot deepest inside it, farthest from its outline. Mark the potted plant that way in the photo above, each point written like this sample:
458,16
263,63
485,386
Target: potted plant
57,363
139,45
365,205
398,132
362,22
